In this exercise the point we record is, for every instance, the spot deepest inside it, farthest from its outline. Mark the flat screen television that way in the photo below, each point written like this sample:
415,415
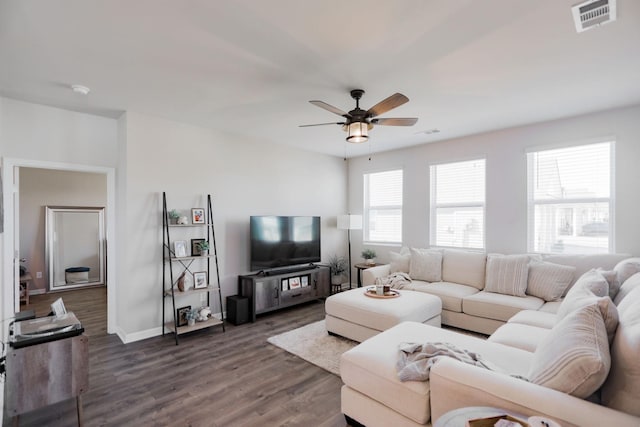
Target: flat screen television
281,241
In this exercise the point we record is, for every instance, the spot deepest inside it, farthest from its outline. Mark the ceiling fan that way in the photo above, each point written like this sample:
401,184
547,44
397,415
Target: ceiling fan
359,122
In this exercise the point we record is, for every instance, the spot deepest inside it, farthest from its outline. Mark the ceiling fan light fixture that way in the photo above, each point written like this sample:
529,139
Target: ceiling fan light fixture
357,132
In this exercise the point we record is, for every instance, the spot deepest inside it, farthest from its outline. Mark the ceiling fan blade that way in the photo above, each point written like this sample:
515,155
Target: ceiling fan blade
395,100
321,124
405,121
331,108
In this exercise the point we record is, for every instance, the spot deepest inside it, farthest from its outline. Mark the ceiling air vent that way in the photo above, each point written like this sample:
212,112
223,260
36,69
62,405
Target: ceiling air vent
592,13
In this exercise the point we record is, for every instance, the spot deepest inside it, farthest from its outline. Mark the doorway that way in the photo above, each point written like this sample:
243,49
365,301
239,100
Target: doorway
58,177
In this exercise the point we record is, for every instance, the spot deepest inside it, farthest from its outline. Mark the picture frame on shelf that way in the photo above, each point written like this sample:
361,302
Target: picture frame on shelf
181,315
284,284
180,248
200,280
195,247
294,282
197,215
304,281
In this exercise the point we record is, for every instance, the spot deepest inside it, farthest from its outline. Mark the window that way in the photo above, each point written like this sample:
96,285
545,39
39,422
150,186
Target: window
569,197
383,207
457,204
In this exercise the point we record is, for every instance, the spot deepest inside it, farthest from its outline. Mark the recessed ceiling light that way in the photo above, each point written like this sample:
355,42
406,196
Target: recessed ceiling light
81,89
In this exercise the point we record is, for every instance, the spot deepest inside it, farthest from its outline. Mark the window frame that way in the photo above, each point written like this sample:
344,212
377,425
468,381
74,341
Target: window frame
434,206
366,238
531,203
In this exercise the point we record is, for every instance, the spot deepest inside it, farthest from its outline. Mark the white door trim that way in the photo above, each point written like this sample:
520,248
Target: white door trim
9,306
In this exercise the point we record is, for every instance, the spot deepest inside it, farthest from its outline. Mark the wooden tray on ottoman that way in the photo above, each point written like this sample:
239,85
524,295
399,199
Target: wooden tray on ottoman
371,292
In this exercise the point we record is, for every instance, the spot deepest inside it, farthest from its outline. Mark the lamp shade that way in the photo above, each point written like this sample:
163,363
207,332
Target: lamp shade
357,132
350,222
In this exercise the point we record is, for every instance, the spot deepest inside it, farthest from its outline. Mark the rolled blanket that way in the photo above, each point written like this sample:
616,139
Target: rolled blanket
394,280
415,360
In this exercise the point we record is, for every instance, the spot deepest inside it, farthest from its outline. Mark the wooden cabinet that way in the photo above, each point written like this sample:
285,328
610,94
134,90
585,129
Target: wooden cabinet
272,291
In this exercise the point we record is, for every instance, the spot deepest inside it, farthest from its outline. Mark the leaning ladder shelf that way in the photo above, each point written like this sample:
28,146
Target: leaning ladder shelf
184,263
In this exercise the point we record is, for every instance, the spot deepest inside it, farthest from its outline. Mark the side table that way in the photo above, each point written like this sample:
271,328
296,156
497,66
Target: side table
360,267
459,417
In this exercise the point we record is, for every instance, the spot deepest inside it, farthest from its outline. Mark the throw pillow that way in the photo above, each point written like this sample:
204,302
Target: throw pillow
630,284
626,268
612,280
507,274
581,295
548,280
399,262
426,264
574,357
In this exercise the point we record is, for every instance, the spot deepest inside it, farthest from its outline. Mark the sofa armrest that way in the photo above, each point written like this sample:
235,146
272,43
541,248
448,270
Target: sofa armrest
370,275
456,385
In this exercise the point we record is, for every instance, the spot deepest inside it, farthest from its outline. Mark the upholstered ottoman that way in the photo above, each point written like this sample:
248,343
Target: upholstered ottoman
356,316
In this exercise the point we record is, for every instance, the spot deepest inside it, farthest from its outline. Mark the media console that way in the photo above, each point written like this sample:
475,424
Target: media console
278,289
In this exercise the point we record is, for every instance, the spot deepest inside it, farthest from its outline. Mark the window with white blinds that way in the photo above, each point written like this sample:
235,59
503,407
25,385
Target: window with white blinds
457,204
383,207
570,199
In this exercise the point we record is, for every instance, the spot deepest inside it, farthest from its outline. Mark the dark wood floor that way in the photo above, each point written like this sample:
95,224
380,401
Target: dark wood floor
211,379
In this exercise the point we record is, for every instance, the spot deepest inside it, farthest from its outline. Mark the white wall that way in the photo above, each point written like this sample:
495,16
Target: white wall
244,178
506,186
46,187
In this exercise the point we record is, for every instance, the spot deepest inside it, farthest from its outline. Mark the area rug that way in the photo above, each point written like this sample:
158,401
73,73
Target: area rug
313,344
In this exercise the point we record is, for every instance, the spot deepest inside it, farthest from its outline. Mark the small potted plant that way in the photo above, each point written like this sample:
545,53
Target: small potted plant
338,266
369,255
203,247
173,216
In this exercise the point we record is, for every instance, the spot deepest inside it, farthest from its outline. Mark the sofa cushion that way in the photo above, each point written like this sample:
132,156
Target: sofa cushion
370,367
574,356
612,280
507,274
621,391
426,265
498,306
536,318
525,337
464,267
550,307
451,294
400,261
549,281
630,284
582,294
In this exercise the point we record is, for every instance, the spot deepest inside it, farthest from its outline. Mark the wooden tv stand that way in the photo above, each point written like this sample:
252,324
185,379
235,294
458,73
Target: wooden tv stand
265,291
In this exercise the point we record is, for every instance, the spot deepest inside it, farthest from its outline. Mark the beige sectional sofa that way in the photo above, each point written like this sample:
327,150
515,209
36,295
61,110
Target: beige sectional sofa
466,304
591,344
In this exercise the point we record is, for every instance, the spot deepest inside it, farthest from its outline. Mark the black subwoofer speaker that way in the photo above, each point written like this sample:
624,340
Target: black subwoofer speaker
237,309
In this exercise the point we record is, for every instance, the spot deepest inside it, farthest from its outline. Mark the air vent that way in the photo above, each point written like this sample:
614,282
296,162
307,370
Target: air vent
592,13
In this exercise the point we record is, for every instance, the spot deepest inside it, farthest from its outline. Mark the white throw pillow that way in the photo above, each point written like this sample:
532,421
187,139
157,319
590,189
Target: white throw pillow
549,281
426,264
612,280
625,269
574,357
630,284
582,294
507,274
399,262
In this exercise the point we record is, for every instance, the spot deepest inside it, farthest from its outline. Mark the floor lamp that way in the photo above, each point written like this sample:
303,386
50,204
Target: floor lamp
350,222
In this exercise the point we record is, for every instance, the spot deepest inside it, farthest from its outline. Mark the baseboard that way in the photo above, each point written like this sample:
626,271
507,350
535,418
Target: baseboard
37,291
146,334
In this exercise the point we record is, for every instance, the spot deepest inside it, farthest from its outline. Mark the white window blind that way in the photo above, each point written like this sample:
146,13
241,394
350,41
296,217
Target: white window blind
457,204
383,207
570,199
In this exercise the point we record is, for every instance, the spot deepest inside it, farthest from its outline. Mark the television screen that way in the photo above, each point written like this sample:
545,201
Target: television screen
279,241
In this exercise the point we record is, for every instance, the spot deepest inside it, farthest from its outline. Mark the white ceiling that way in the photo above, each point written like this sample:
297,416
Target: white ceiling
250,66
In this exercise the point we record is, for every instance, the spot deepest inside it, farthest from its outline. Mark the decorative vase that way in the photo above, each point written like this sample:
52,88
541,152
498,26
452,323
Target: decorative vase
191,322
336,279
204,252
369,261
